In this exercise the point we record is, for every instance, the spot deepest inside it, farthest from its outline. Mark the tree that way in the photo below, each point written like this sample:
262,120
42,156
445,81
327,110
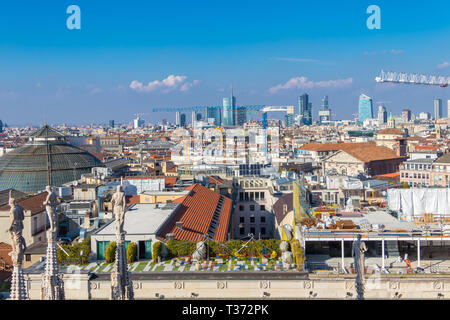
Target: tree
110,252
131,252
157,246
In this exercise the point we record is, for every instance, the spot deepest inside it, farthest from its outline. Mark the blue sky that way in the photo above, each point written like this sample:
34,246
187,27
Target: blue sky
51,74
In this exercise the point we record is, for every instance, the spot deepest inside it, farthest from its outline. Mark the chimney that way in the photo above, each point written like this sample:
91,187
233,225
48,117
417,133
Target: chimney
179,225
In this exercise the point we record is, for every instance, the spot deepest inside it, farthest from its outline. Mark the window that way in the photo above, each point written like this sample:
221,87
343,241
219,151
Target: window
263,219
252,207
28,257
241,208
241,219
241,195
262,207
263,230
241,231
261,195
252,219
252,230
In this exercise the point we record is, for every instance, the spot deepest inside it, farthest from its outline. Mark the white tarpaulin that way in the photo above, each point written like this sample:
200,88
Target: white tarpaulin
415,202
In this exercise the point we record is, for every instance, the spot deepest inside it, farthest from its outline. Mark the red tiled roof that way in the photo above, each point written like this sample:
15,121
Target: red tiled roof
426,147
133,199
5,249
196,212
215,180
364,151
32,203
334,146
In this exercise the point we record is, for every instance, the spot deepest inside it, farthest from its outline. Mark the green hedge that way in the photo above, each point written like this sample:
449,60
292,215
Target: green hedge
178,248
110,252
298,254
156,252
74,252
131,252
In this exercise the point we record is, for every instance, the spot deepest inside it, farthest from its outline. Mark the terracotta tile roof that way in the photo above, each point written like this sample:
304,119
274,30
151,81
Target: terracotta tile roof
196,212
5,249
392,131
334,146
133,199
373,153
214,180
426,147
32,203
388,175
364,151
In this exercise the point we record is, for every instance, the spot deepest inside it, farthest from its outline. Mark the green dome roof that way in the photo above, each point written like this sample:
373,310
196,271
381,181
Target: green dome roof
26,168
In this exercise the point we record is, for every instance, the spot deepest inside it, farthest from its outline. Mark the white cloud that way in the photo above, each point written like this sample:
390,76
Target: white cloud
170,83
444,65
304,83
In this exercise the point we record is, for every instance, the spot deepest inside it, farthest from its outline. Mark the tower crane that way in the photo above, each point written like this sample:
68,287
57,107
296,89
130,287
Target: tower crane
412,78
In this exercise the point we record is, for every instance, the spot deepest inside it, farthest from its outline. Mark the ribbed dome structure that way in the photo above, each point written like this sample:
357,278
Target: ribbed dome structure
45,159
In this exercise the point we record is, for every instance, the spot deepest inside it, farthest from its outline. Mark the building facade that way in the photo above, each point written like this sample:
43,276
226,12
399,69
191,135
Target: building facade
365,110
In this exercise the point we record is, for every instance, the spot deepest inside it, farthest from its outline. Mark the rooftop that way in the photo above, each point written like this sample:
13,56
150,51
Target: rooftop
143,219
197,212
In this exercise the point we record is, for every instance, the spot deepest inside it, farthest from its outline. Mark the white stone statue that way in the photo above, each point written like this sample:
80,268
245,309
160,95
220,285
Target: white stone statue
200,251
358,250
349,206
286,256
118,202
51,202
18,244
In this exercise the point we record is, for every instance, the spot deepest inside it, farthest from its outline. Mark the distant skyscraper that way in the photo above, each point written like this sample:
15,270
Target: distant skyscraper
182,120
382,115
229,106
1,123
325,113
305,109
438,109
138,123
288,120
177,118
325,103
198,116
406,115
365,110
214,113
111,123
241,116
448,109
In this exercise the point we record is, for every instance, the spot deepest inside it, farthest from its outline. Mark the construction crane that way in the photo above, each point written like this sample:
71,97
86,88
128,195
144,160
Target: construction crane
412,78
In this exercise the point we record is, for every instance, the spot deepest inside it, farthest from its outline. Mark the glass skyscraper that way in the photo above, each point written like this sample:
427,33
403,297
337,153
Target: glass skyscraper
305,109
229,110
214,113
365,109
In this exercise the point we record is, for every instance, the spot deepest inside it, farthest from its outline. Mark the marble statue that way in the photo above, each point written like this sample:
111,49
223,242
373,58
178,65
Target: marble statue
200,251
18,287
121,283
18,244
358,250
118,202
51,202
349,206
286,255
52,283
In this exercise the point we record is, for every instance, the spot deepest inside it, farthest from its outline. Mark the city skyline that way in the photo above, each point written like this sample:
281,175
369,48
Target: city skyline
143,55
